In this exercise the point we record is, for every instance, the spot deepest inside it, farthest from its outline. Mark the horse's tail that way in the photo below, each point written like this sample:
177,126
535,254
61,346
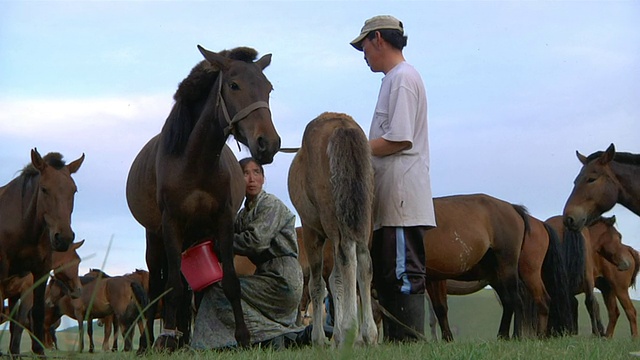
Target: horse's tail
574,257
351,177
556,281
636,268
526,313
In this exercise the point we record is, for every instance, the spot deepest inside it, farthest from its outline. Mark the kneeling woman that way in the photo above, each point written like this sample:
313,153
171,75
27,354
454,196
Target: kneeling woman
265,233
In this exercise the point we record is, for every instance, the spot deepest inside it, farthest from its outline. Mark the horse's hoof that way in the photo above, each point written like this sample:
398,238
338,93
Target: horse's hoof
166,343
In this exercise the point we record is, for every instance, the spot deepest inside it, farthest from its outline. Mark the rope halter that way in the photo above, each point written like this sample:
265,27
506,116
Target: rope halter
231,122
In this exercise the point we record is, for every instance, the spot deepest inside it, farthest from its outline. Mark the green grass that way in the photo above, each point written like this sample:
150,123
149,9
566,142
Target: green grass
474,320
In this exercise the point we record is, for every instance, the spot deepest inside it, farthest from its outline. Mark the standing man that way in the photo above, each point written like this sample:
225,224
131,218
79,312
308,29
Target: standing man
403,204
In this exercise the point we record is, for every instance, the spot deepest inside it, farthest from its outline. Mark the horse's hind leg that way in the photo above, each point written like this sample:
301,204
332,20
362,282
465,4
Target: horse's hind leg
343,285
313,248
610,302
623,296
368,330
437,290
593,308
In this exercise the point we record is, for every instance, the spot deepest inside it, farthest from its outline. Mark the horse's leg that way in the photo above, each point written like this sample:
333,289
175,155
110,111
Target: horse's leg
116,332
107,322
37,315
433,320
613,312
593,308
173,239
437,290
185,315
90,334
623,296
155,258
313,248
368,330
15,329
533,281
230,282
80,332
343,285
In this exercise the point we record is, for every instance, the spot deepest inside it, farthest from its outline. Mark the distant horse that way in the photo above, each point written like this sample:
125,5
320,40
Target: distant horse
186,185
102,295
35,209
606,178
331,186
579,252
612,280
478,237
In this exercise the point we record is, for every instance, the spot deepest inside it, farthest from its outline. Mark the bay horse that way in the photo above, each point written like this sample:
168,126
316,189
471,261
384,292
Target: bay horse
478,237
186,185
606,178
35,213
331,186
613,280
579,250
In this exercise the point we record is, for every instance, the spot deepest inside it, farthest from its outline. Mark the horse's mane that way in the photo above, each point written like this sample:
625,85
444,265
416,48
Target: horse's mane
53,159
100,272
621,157
193,90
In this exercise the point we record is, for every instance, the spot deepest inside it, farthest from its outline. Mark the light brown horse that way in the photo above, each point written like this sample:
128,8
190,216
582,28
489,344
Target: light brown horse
613,280
35,213
186,185
580,250
102,295
478,237
331,186
606,178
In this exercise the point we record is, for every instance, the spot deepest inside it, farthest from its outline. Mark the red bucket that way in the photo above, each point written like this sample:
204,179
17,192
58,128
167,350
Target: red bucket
200,266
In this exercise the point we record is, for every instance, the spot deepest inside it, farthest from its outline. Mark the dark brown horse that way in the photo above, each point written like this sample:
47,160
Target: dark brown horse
606,178
35,219
478,237
331,186
186,185
613,280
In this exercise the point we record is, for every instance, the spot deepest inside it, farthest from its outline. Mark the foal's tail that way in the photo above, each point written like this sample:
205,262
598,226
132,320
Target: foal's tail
351,177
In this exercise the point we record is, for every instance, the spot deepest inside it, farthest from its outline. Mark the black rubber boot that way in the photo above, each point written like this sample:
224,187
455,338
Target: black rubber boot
409,310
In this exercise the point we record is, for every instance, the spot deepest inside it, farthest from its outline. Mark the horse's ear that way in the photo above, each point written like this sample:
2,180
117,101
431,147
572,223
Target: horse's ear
613,219
216,60
37,160
608,155
75,165
264,61
78,244
582,158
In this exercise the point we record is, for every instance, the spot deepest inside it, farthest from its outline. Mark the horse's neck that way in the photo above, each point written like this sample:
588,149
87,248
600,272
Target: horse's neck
207,137
629,177
32,220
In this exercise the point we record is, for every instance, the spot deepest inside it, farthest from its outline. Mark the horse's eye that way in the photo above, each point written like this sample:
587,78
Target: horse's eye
590,180
234,86
44,191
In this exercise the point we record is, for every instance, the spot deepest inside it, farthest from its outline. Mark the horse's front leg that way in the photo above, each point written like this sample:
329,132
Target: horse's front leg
37,315
15,329
172,240
593,308
230,282
90,333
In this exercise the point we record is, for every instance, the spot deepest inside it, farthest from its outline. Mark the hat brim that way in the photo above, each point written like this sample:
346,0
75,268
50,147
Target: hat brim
357,42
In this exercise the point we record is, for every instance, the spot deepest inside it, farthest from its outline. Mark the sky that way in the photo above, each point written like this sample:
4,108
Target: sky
514,89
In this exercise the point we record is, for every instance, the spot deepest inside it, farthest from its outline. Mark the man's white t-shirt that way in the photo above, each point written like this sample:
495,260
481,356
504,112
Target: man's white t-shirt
402,184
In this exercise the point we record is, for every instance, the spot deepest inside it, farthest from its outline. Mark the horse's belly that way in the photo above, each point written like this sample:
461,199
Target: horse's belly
452,255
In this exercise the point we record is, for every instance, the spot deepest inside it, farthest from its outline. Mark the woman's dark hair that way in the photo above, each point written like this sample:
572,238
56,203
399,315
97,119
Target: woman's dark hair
247,160
393,37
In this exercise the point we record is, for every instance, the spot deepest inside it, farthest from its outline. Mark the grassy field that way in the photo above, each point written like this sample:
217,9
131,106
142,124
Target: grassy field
474,320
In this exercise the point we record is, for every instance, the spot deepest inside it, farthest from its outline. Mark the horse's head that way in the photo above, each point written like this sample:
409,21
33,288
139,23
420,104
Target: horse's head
595,190
606,240
56,191
244,100
65,270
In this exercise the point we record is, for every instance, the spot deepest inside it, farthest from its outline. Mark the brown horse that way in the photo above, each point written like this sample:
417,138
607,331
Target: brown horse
186,185
35,213
612,280
102,295
478,237
331,186
606,178
580,250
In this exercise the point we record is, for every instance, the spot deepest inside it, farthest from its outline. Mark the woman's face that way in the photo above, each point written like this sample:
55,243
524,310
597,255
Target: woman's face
254,178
